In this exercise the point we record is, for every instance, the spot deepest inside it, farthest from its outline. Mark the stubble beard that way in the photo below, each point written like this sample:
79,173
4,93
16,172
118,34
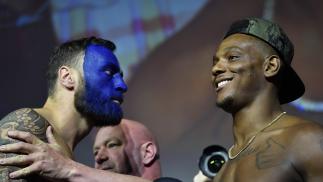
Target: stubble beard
226,104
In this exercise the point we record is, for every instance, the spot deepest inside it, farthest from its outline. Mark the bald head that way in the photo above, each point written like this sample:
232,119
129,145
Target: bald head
142,149
136,132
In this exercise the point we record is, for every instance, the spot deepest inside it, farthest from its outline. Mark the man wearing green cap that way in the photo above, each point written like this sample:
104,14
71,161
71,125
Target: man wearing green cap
253,77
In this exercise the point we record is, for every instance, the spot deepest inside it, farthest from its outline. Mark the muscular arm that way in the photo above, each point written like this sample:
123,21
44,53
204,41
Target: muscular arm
308,153
25,120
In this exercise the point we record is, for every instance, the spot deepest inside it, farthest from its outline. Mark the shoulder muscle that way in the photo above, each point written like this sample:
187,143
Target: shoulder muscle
24,119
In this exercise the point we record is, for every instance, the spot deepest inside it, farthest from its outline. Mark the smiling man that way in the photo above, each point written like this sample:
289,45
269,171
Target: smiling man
253,77
85,89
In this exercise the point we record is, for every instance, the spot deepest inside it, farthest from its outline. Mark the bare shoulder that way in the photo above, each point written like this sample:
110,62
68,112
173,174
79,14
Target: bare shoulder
303,129
306,145
25,119
299,131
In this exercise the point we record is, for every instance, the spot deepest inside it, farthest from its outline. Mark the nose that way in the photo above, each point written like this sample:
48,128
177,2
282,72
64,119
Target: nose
218,67
119,83
100,157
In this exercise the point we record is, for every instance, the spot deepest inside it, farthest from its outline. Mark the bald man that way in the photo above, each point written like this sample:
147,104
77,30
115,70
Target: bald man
129,148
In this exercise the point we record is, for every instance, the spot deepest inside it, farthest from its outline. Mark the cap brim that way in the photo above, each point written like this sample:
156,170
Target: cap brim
292,86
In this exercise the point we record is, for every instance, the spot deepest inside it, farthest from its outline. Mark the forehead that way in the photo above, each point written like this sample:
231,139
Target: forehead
238,42
98,55
108,133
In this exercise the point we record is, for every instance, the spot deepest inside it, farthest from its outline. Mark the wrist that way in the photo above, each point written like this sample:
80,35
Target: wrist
78,173
73,171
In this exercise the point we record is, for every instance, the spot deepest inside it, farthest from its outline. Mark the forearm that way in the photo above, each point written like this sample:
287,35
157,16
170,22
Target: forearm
82,173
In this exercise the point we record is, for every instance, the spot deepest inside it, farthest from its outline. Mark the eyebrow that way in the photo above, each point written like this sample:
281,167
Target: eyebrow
103,143
233,48
107,141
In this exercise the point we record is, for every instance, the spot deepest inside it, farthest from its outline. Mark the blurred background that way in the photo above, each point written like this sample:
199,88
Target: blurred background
165,48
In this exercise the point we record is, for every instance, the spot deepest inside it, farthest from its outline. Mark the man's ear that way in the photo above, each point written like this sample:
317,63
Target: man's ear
66,77
272,66
148,152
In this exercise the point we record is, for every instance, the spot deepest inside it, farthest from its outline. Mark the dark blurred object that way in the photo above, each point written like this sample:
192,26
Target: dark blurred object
167,179
212,159
24,55
21,12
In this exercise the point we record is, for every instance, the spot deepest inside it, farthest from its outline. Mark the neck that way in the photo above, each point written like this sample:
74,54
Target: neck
249,120
66,121
151,172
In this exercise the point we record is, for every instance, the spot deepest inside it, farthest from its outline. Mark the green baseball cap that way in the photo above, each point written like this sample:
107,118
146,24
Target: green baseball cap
292,86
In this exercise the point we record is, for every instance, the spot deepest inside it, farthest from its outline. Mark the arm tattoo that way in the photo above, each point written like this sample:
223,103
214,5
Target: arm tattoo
24,120
271,155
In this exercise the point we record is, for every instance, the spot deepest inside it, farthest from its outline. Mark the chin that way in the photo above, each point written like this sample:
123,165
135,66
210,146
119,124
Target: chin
112,116
108,114
226,104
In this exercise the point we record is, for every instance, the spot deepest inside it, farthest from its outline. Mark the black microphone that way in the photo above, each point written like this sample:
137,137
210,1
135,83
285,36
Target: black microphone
212,159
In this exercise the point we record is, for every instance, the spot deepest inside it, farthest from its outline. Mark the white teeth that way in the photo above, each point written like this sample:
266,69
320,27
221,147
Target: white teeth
222,83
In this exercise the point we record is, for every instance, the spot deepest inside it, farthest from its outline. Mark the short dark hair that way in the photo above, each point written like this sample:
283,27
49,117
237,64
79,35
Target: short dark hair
67,53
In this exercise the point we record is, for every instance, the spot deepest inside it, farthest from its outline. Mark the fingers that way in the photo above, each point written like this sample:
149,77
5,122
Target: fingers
19,148
24,172
18,160
24,136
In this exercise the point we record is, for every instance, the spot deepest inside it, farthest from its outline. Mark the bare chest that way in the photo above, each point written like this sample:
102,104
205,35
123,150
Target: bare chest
266,163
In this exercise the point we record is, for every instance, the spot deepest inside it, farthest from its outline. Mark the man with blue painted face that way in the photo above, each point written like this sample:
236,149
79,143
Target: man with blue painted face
85,89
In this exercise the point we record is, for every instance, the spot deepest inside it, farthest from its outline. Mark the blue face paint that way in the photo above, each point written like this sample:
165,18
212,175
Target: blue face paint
104,86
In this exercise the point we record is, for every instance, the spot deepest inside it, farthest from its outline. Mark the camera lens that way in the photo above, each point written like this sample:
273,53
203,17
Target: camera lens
212,159
215,163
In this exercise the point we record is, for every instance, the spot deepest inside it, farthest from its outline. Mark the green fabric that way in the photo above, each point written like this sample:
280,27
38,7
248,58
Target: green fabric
268,32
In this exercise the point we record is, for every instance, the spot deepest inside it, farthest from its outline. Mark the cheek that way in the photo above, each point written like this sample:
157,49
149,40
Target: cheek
99,82
115,152
95,77
248,69
253,81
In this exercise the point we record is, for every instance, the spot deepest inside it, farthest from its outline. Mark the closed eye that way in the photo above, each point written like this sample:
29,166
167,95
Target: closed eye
113,143
233,57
